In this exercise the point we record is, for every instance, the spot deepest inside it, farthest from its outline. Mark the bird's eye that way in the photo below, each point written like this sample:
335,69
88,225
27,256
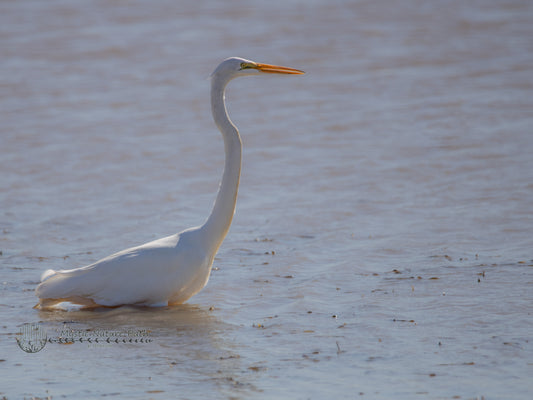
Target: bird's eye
245,65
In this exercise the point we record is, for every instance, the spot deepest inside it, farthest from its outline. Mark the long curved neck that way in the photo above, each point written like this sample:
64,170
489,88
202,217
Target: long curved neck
217,225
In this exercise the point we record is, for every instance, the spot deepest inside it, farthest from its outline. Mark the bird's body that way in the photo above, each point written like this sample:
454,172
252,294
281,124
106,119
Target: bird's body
109,282
172,269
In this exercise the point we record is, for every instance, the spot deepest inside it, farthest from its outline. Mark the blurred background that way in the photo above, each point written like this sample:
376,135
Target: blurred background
382,241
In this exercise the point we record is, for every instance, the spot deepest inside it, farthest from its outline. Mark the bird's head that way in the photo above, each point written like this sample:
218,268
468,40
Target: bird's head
234,67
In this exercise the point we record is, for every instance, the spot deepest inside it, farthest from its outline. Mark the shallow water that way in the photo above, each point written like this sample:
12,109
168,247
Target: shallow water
382,244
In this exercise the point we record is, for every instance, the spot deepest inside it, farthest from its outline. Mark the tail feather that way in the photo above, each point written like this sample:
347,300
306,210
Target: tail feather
47,274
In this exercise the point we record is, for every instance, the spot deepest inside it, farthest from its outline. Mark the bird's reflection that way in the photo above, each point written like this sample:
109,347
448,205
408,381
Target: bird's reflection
160,321
187,341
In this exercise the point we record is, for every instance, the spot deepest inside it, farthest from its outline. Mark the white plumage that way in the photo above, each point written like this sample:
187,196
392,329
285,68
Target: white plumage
172,269
149,274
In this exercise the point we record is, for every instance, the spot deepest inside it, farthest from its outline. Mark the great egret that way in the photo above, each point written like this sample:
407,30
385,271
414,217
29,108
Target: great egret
170,270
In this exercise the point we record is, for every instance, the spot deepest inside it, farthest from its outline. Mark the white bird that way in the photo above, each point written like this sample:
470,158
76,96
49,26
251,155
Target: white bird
170,270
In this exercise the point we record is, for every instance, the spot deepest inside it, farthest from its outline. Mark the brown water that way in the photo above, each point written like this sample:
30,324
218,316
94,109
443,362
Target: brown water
383,241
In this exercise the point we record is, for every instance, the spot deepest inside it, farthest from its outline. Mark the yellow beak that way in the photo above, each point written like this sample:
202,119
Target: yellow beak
276,69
